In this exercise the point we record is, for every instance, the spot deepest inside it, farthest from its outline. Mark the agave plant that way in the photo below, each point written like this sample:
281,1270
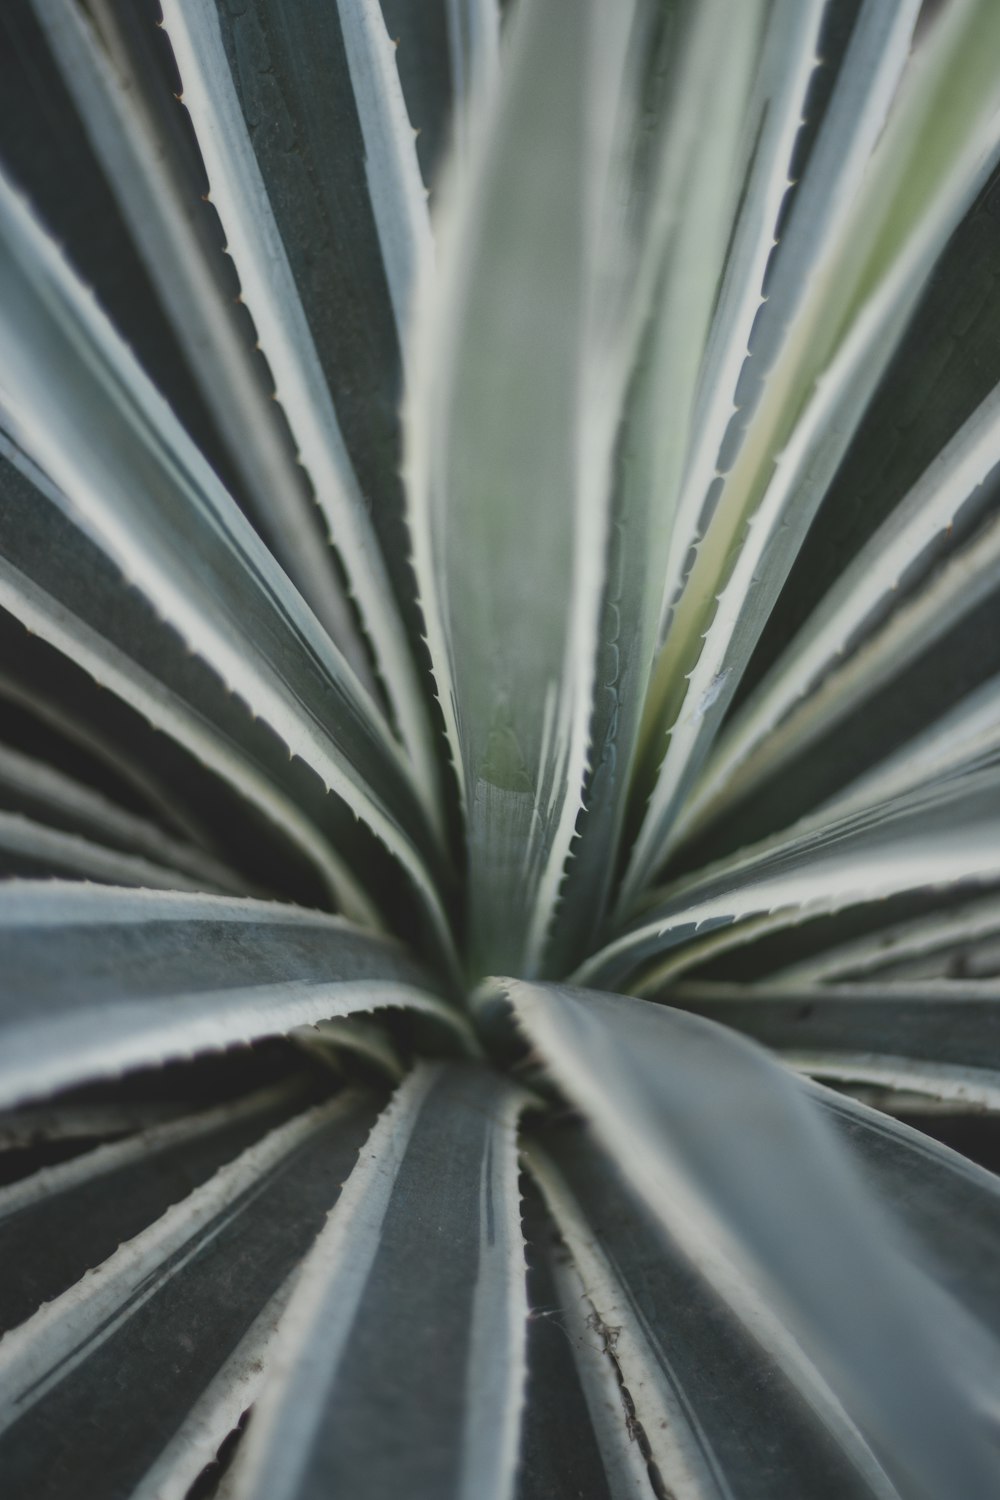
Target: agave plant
500,572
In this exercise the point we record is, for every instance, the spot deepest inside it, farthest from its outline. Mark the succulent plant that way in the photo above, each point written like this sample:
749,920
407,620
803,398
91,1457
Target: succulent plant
500,749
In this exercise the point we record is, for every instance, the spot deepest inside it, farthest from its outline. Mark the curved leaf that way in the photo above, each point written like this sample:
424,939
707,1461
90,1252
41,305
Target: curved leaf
98,979
939,1037
673,1098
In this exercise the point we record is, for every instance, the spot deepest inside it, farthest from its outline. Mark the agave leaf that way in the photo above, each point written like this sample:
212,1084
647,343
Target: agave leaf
162,494
945,366
780,234
966,739
68,1121
941,837
726,1404
410,1312
474,52
64,1220
621,1473
860,296
367,1040
821,933
149,499
132,127
783,1205
52,798
683,254
447,53
890,951
867,77
147,694
46,152
75,723
163,1341
100,979
575,1431
939,1037
63,589
822,941
510,429
976,957
948,1203
398,201
654,982
326,268
953,483
943,638
959,744
28,847
777,108
766,553
422,36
